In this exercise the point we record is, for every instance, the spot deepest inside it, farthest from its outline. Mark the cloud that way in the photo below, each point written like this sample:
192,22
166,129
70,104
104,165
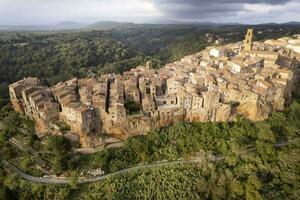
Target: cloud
218,10
55,11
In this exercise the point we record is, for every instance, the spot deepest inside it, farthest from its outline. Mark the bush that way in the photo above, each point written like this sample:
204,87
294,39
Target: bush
133,107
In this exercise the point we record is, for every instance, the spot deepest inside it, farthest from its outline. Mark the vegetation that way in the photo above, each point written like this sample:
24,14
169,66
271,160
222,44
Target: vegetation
58,148
63,127
254,164
183,140
11,123
133,107
58,56
252,168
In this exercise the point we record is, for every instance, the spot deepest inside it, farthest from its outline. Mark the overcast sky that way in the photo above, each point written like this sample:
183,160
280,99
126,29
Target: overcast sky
43,12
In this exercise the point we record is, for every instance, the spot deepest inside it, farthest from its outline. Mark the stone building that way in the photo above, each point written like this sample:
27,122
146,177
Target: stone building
15,92
246,78
248,40
80,118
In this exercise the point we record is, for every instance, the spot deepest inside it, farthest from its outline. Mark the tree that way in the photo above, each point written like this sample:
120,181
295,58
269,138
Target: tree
132,107
25,163
265,141
253,186
59,147
4,136
74,179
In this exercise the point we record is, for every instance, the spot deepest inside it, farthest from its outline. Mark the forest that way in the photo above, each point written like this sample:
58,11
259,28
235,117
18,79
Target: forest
55,56
255,164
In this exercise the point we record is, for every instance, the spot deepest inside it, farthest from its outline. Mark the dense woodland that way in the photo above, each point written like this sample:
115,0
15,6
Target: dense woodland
57,56
252,168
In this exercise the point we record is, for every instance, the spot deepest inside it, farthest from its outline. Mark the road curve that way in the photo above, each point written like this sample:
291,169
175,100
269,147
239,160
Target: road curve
91,180
55,180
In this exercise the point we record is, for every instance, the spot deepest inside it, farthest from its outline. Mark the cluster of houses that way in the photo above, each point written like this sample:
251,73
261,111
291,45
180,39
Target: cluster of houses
247,78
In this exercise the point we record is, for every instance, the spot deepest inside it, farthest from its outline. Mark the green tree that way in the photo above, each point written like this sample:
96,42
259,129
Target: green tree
59,147
265,141
253,185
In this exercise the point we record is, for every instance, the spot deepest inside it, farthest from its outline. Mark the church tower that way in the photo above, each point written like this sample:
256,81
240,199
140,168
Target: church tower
248,40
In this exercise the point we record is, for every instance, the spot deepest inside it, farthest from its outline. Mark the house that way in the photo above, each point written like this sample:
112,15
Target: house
218,52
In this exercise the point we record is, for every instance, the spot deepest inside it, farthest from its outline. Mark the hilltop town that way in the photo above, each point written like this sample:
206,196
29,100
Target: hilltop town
249,79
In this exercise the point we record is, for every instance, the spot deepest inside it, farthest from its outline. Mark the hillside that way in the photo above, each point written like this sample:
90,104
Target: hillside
57,56
108,25
235,160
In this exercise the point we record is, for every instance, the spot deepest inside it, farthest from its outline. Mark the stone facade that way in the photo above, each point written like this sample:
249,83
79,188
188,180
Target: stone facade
251,79
248,40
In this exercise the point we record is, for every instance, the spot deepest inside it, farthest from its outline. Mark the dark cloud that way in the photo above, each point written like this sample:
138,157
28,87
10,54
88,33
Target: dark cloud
199,2
89,11
206,9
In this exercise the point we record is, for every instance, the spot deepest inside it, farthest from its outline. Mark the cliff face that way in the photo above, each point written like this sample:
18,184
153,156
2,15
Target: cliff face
141,125
251,111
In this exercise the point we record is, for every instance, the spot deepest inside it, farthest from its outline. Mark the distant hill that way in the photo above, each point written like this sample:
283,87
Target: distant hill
70,25
285,23
108,25
213,24
21,28
292,23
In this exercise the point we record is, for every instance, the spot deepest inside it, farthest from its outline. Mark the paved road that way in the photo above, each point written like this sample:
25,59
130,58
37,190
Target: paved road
54,180
90,180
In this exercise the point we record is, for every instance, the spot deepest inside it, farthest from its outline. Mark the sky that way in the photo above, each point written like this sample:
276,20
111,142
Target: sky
49,12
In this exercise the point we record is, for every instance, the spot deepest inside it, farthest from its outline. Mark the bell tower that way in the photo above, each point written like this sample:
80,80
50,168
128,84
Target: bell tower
248,40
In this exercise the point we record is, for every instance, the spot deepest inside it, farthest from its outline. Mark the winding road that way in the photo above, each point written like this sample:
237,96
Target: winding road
57,180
